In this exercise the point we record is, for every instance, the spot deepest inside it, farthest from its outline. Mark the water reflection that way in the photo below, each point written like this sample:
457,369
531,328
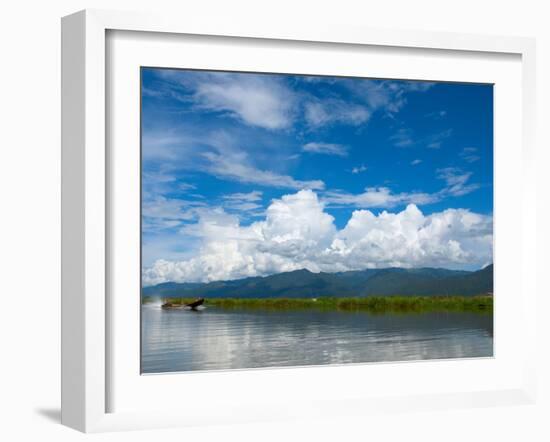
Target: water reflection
216,339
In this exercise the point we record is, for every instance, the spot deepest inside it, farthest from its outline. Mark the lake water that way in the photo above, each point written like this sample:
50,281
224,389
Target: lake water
217,339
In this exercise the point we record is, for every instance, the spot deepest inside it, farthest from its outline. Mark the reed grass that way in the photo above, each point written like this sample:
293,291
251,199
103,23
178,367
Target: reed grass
373,304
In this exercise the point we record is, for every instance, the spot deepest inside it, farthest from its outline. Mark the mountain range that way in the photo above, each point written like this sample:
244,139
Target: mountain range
369,282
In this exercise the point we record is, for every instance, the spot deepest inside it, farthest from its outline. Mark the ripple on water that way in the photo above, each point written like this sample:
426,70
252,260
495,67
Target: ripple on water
215,339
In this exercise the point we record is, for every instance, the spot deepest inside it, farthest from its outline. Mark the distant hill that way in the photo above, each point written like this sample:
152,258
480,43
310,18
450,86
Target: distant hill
370,282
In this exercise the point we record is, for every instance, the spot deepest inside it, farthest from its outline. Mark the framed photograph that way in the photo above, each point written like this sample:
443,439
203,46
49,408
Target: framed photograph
252,211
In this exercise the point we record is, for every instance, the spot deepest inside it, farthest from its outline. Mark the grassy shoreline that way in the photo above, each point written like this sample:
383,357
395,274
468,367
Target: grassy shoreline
374,304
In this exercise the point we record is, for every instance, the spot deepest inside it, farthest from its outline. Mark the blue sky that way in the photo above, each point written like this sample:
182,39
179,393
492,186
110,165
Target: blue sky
228,156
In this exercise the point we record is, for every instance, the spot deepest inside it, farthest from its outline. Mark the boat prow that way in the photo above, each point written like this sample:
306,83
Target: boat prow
192,305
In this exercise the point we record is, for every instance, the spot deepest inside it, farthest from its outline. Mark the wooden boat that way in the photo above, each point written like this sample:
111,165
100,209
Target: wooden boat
195,304
192,305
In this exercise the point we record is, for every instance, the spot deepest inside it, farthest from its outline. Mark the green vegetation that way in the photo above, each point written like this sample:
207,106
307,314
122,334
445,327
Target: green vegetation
372,304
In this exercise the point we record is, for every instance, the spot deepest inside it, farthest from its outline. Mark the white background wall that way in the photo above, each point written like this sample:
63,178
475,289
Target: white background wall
30,220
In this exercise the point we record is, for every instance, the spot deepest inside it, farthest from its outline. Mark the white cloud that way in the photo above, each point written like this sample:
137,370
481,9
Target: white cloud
235,166
436,140
386,96
437,115
359,169
222,154
369,96
244,206
267,101
162,213
255,195
457,181
456,184
244,202
409,238
297,233
186,186
326,149
158,146
381,197
402,138
469,154
294,226
416,162
323,112
257,100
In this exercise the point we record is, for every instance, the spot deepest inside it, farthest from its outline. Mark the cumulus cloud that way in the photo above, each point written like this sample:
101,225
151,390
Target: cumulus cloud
326,149
297,232
409,238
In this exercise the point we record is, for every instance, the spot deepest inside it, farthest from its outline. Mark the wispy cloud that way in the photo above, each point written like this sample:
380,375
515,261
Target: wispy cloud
359,169
244,202
228,161
405,137
324,112
326,149
369,97
270,102
385,95
161,212
457,181
436,140
436,115
186,186
236,167
456,184
219,153
254,195
166,146
257,100
416,162
377,197
469,154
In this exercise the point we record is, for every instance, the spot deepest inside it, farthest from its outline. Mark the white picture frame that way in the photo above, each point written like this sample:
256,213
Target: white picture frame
87,206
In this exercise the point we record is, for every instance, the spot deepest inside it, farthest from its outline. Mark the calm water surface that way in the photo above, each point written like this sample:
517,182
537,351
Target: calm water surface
217,339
